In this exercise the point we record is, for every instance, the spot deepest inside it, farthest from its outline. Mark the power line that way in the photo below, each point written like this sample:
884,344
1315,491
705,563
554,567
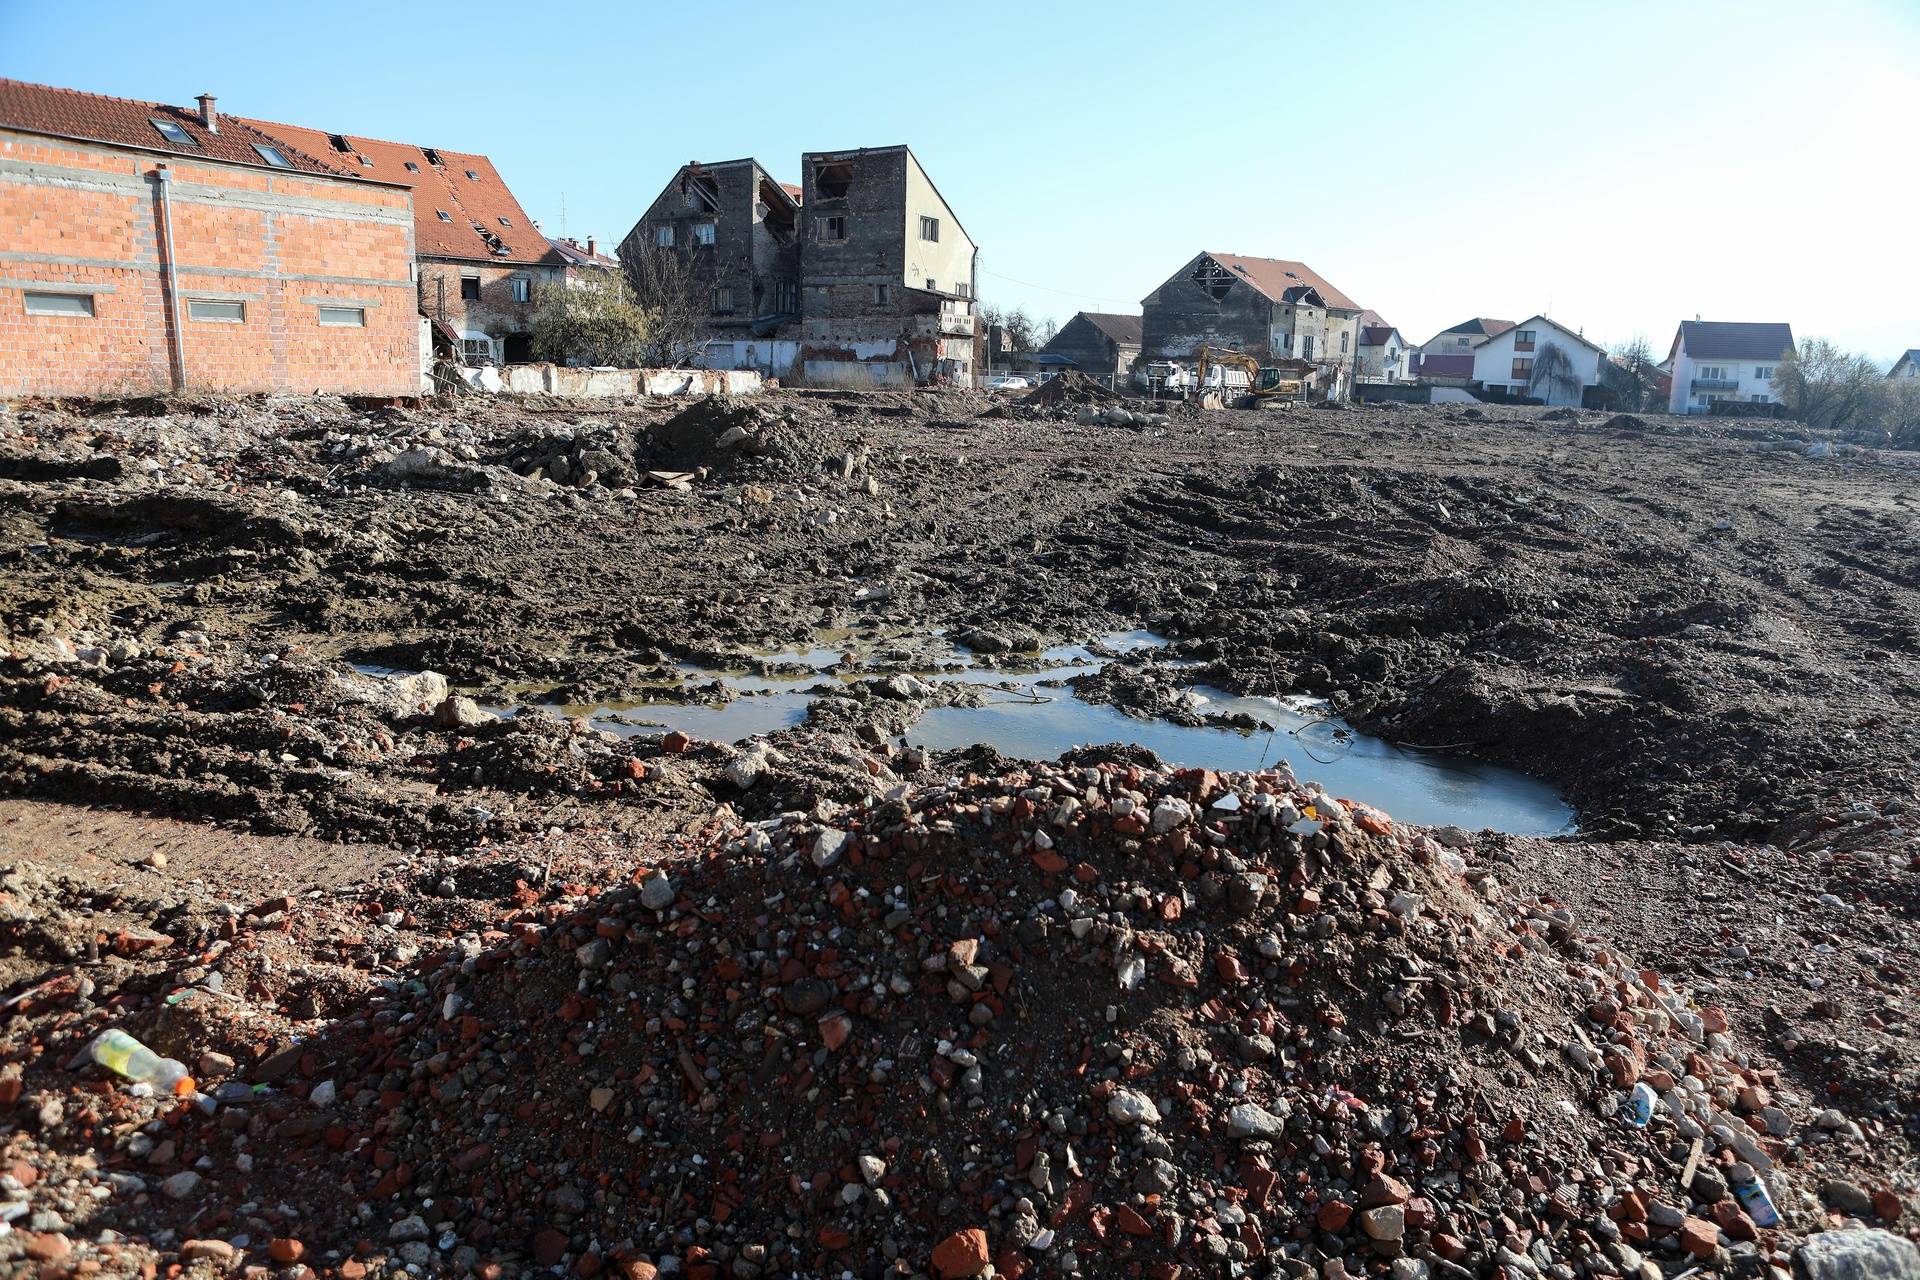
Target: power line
1065,293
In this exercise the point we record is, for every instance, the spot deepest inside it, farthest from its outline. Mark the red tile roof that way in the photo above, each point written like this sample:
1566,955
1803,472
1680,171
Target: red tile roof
1274,276
437,188
575,254
794,190
125,122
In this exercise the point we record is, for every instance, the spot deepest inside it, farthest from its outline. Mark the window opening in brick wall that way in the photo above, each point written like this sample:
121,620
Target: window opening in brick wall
701,192
723,301
663,237
833,180
1214,278
703,233
833,228
216,309
470,288
343,317
273,156
522,289
882,295
59,304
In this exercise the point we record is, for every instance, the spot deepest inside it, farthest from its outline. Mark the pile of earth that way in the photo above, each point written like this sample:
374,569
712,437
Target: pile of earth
1089,1019
1070,388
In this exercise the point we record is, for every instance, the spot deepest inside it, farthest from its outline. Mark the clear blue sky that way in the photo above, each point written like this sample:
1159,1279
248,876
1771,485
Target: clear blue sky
1620,166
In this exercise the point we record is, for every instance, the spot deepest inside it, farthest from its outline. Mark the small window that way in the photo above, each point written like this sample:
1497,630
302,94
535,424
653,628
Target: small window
723,300
703,233
59,304
930,229
343,317
964,291
506,222
273,156
444,215
1522,370
522,289
472,176
663,237
882,295
216,309
173,133
933,286
1343,342
470,288
833,228
412,167
1764,372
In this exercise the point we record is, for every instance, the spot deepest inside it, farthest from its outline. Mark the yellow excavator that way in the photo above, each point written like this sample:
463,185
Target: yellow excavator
1262,384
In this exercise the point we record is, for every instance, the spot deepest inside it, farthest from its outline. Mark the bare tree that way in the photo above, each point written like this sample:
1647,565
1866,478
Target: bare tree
1021,329
1632,374
1553,372
671,286
1826,387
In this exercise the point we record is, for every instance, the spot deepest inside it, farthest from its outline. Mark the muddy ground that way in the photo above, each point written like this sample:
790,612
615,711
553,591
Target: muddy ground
1706,636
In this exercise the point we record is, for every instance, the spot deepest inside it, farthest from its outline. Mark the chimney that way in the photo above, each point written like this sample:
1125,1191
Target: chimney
590,243
208,116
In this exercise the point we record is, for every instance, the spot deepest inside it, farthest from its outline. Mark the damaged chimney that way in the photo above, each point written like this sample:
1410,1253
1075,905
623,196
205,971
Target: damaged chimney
208,116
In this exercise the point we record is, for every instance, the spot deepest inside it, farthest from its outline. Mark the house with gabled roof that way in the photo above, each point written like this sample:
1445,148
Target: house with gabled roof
1273,309
1100,344
1540,359
479,255
1384,354
151,247
1907,366
1725,360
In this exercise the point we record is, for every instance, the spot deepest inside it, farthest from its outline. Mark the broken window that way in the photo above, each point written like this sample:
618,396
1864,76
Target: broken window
273,156
929,228
339,143
723,300
833,228
663,236
703,233
702,193
522,289
882,295
433,157
173,133
833,181
476,350
1214,278
470,288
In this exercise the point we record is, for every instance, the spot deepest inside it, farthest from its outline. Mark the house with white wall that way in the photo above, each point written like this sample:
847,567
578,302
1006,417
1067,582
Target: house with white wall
1907,366
1385,356
1517,361
1724,360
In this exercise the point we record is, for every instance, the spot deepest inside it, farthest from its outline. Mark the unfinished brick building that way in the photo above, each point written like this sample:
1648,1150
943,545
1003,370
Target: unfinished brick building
149,247
480,255
861,276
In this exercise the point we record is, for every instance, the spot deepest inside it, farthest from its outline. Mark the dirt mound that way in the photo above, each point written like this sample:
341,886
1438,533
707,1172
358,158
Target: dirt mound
1624,422
744,436
1070,389
1096,1011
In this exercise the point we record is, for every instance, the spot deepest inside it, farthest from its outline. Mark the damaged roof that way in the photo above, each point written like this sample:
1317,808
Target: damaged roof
127,122
1732,340
1274,276
483,222
574,254
1124,330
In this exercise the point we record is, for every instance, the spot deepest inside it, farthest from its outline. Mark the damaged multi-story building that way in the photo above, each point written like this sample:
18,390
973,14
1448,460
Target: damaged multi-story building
860,276
1275,310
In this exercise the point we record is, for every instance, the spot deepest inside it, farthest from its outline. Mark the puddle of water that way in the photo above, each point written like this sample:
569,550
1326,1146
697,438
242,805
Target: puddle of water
740,719
1412,786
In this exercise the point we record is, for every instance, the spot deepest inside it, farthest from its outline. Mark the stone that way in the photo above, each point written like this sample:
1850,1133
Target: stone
1388,1222
828,846
1382,1190
1333,1215
181,1185
411,1227
674,742
1847,1197
283,1250
415,694
1129,1108
657,894
1249,1120
458,711
1857,1254
1699,1237
964,1253
218,1252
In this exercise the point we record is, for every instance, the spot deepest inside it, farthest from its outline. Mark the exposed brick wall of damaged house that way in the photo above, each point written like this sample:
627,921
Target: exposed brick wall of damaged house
287,281
502,309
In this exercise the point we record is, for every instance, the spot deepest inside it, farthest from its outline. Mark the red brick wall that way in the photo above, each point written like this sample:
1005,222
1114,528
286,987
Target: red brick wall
494,313
86,214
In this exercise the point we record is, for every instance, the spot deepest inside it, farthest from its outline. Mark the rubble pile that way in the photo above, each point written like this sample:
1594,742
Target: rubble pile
1071,389
1079,1020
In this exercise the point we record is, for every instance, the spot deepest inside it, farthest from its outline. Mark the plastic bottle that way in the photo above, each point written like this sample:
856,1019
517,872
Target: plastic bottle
1753,1196
121,1054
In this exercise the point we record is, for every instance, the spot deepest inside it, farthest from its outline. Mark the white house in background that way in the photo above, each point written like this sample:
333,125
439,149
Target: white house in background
1724,360
1384,354
1507,361
1907,366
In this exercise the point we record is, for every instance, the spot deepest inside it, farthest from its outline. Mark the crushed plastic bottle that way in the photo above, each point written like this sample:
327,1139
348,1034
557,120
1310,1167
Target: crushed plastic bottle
1637,1107
1753,1195
125,1056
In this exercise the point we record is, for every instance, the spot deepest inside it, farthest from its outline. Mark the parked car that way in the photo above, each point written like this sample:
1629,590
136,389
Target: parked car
1008,382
